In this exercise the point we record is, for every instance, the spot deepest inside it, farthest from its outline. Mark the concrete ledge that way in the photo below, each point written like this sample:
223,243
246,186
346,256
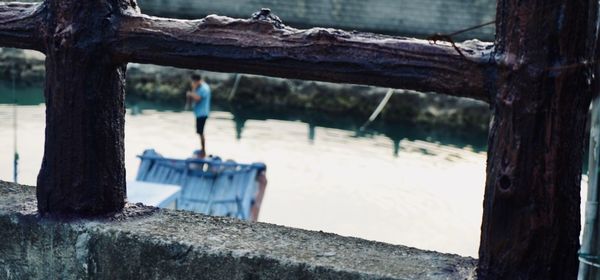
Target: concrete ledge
148,243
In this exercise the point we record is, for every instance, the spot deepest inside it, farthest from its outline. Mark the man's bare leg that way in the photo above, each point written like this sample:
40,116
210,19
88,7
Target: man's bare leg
202,144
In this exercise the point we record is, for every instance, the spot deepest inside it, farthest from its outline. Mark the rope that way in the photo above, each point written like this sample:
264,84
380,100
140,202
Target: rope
447,37
235,87
379,108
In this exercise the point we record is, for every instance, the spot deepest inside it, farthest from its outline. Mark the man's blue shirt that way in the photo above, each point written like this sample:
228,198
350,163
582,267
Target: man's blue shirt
202,108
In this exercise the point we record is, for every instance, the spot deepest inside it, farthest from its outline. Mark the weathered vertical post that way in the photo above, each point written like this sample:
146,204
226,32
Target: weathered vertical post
83,166
531,221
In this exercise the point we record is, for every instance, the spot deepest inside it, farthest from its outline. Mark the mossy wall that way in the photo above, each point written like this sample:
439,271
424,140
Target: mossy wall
168,85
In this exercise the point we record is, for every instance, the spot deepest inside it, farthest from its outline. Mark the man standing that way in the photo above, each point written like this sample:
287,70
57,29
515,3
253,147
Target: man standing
200,95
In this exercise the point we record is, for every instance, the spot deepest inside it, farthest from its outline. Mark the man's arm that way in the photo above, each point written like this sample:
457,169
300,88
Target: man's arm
194,96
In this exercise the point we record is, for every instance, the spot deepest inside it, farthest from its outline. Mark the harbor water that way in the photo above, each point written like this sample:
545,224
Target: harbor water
402,184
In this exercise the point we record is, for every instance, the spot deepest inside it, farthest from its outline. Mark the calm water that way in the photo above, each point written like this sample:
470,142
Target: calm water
403,184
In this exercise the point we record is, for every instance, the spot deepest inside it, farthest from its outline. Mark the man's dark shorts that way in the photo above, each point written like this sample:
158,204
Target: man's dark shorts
200,121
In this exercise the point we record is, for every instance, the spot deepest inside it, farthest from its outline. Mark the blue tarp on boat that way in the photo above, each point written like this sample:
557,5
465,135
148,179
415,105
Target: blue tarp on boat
209,186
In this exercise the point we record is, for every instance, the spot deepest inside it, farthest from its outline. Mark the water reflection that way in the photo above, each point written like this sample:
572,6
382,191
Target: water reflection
475,141
460,138
24,96
403,184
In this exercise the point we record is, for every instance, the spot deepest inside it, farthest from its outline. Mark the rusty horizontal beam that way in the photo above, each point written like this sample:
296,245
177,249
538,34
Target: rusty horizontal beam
265,46
20,25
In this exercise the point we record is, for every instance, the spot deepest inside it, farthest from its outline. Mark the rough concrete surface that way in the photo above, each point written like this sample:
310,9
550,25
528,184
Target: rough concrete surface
149,243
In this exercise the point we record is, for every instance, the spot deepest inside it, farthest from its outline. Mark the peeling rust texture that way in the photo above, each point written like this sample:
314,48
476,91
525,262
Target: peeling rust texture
265,15
531,218
263,45
83,166
20,25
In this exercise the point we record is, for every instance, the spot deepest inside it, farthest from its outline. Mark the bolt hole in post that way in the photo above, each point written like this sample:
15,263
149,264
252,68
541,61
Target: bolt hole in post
504,183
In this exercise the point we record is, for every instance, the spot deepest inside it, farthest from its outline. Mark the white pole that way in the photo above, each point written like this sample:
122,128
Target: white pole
16,153
588,266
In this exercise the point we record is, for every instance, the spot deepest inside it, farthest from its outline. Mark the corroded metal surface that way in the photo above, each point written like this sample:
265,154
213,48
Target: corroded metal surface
83,166
20,25
531,218
267,47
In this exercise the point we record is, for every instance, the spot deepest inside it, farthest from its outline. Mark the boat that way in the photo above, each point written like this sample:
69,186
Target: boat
209,186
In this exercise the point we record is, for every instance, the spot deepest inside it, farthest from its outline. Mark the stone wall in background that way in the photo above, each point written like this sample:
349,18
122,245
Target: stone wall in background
398,17
419,18
168,85
26,67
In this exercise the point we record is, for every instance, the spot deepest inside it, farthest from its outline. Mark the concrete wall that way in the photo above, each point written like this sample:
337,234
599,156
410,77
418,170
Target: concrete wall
419,18
403,17
147,243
